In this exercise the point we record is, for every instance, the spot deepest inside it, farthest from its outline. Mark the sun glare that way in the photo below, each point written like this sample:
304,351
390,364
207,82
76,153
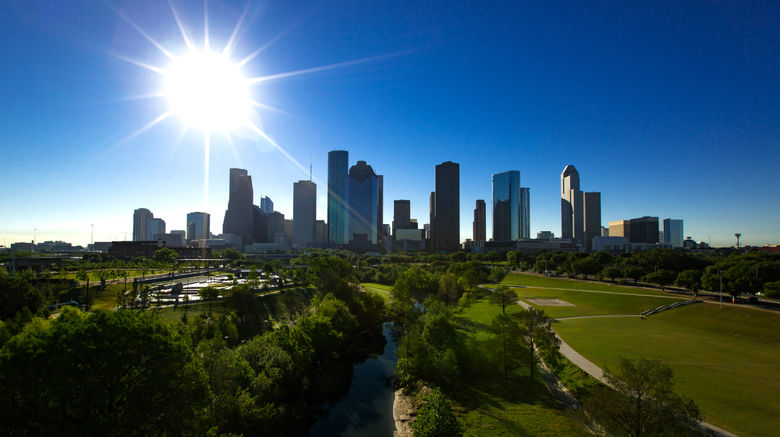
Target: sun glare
207,91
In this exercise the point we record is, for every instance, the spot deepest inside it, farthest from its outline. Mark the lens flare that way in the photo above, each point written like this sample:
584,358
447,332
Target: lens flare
207,91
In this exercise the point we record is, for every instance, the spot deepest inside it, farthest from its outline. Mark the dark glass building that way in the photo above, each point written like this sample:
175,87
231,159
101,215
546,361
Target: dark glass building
338,162
506,206
198,226
240,212
401,215
445,221
364,208
525,213
479,232
304,212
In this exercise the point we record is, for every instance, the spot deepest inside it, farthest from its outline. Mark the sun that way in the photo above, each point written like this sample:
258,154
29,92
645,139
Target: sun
207,91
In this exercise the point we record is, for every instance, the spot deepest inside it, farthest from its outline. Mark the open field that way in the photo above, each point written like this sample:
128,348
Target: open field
726,360
589,304
515,407
544,282
380,289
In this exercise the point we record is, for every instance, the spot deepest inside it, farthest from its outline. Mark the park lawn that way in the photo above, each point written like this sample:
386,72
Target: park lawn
380,289
514,407
589,303
726,361
545,282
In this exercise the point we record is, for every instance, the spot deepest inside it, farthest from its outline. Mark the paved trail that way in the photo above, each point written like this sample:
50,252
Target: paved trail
601,292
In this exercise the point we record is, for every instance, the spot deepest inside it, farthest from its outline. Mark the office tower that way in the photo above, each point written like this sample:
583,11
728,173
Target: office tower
141,217
431,217
198,226
275,226
673,232
506,206
304,212
266,204
618,228
380,220
479,232
604,231
570,185
401,215
592,217
338,227
363,194
525,213
288,229
445,224
643,230
320,232
259,225
545,235
239,215
155,228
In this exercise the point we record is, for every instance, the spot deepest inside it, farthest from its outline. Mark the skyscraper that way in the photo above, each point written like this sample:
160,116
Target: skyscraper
580,212
673,232
445,224
338,162
506,206
570,185
141,217
525,213
479,232
198,226
364,209
239,215
304,212
592,216
380,219
401,215
266,204
155,228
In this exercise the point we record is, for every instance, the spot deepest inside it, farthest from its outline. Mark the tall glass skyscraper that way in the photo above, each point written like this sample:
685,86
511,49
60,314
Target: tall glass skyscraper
445,211
239,215
198,226
363,193
338,161
506,206
525,213
304,212
673,232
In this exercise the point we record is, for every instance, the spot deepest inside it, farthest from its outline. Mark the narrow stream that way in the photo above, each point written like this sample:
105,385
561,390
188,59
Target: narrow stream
367,409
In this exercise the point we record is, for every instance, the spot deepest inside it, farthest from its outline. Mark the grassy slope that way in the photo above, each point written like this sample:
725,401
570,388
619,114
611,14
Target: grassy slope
380,289
727,361
506,408
587,304
541,281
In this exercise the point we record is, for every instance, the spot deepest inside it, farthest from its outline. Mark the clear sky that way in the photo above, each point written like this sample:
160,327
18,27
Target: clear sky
669,109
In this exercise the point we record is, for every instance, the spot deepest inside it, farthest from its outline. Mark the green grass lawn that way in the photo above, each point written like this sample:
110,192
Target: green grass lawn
380,289
514,407
544,282
726,361
588,304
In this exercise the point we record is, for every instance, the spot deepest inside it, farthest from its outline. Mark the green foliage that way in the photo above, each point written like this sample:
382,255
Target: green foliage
449,288
232,254
611,272
661,277
586,266
772,289
690,279
17,293
165,255
643,401
497,275
634,273
435,418
503,296
107,373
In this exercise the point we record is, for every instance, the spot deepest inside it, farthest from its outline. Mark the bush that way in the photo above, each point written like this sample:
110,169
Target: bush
435,418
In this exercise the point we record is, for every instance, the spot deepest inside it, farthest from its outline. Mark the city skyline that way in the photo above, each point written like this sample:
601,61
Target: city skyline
665,118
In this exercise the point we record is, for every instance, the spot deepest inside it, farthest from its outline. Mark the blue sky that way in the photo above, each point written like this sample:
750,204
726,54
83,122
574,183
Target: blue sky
668,109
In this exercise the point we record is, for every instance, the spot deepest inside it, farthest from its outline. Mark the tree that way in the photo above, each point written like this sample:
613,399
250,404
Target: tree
508,333
497,275
503,296
165,256
435,418
690,279
643,401
611,272
16,293
586,266
633,272
209,293
83,275
449,288
537,335
661,277
106,373
772,289
232,254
